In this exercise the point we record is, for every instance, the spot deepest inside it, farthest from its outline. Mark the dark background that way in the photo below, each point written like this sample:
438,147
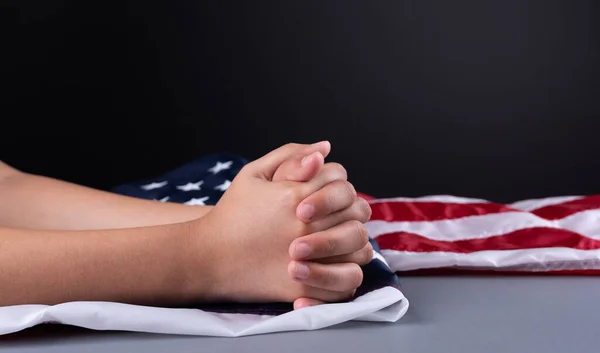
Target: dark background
491,99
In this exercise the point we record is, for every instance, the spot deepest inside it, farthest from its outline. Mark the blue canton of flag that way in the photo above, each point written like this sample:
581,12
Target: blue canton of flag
199,183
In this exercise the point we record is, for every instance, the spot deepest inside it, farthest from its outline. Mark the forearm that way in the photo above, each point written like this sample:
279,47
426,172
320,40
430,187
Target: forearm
149,266
36,202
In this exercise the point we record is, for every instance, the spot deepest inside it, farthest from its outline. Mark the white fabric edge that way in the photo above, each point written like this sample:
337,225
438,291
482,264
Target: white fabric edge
542,259
387,304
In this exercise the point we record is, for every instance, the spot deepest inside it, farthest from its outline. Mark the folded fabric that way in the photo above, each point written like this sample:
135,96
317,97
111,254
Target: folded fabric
448,234
203,182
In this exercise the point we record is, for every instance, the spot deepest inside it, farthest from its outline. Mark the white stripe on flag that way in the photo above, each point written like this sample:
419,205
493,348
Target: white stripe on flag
432,198
477,227
533,204
585,222
379,257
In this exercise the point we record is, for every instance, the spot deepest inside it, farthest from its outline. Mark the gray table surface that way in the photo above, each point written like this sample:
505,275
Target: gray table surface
447,314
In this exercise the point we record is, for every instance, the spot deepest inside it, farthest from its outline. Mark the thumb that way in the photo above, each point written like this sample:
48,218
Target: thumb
300,168
266,166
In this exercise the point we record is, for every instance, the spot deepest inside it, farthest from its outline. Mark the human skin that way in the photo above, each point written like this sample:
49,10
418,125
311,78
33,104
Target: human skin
64,242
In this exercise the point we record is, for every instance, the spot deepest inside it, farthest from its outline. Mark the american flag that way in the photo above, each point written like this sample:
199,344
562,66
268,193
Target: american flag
448,234
439,234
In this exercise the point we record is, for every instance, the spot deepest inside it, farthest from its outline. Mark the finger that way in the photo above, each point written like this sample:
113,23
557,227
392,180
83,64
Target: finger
301,168
317,295
360,257
306,302
266,166
359,211
342,239
335,196
339,277
329,172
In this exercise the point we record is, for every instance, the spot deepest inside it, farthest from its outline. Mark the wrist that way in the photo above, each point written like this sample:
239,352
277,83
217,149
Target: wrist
199,262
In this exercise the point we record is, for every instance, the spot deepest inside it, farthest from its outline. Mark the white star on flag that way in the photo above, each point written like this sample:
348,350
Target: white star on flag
220,166
197,202
164,199
190,186
223,186
153,186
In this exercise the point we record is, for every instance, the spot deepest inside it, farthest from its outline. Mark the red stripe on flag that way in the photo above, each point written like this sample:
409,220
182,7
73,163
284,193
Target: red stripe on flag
565,209
432,211
529,238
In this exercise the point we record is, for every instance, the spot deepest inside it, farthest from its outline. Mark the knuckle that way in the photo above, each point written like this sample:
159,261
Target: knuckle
349,190
246,169
286,148
337,170
291,196
360,232
290,146
331,197
357,276
341,195
365,211
366,254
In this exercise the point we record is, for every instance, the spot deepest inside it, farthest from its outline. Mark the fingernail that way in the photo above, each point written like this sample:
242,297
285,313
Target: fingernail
306,211
322,144
301,250
301,271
